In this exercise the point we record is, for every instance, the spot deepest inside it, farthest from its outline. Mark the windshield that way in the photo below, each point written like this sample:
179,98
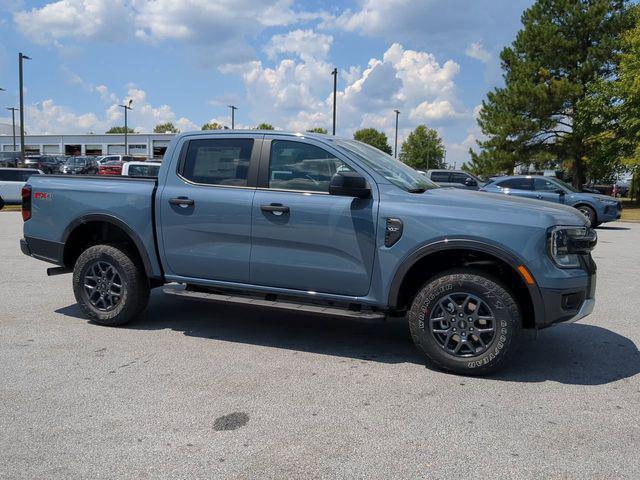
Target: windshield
394,171
75,161
566,185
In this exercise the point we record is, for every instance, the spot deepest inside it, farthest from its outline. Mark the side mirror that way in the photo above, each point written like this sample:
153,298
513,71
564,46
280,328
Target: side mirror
470,182
349,184
560,192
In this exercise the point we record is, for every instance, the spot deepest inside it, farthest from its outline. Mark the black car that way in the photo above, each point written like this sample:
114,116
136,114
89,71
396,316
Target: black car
80,166
9,160
46,163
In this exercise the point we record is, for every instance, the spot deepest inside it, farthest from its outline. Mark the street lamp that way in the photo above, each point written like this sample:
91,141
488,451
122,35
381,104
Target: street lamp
233,116
334,72
21,57
126,128
13,120
395,146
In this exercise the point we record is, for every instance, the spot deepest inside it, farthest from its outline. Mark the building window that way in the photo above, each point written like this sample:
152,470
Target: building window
93,149
32,149
72,149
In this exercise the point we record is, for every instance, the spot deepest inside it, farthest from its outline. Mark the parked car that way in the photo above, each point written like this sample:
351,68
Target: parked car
11,182
317,224
80,166
9,160
112,167
455,178
141,169
597,208
114,158
46,163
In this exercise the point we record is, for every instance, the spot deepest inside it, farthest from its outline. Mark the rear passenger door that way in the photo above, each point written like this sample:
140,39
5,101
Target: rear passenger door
205,208
303,237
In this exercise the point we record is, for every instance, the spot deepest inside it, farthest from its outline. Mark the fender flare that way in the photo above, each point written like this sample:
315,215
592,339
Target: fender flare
115,221
442,244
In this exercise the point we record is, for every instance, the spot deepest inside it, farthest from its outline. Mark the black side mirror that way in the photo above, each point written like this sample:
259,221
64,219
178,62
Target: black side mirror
560,191
470,182
349,184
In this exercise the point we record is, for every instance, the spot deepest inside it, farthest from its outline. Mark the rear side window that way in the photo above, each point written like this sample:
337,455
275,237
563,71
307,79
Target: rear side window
301,166
10,176
440,176
218,161
517,184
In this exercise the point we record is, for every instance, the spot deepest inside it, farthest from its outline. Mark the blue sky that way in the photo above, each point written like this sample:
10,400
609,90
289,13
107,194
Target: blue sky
185,60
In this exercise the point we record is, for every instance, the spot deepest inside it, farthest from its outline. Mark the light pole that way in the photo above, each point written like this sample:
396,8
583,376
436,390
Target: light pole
233,116
126,107
395,147
21,57
335,89
13,121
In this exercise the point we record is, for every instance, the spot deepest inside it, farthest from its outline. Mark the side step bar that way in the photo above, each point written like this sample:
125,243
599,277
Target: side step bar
281,304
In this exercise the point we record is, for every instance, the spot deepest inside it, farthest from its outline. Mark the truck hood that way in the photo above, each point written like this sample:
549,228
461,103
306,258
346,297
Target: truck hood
496,205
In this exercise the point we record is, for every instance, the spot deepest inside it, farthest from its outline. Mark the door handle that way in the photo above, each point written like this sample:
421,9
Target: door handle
275,208
182,201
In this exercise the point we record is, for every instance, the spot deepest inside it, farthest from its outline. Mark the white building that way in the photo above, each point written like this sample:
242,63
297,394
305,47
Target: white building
140,144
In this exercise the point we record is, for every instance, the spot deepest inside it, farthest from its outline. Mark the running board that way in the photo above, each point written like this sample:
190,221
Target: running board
281,304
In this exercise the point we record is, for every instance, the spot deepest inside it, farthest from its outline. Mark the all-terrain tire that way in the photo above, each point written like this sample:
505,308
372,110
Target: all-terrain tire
129,274
485,352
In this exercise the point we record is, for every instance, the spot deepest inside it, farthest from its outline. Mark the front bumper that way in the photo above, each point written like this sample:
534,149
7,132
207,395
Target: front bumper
585,309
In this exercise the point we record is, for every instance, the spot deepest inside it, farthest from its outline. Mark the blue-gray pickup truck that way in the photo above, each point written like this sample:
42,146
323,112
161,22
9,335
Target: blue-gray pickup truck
321,225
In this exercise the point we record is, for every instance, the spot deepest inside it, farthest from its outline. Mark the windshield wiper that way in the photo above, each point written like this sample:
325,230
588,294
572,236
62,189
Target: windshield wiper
417,190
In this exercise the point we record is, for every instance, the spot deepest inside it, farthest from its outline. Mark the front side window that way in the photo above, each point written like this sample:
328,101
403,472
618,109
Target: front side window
301,166
218,161
459,177
544,185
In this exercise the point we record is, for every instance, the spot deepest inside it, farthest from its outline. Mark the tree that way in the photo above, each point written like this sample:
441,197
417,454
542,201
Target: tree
167,127
212,126
265,126
563,49
120,130
373,137
423,149
317,130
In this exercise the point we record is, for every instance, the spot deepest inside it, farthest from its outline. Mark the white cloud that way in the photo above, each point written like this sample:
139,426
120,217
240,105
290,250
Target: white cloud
435,111
82,19
477,51
305,43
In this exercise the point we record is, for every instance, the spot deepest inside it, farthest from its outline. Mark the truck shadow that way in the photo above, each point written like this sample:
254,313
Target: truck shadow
575,354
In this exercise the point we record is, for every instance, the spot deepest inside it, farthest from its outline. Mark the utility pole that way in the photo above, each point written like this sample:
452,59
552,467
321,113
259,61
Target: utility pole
21,57
233,116
126,107
13,121
395,147
335,90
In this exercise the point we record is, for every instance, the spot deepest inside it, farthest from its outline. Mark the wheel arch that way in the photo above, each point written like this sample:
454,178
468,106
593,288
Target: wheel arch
584,203
92,229
443,254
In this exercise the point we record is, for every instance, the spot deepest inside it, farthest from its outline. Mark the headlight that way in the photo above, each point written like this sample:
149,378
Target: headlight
567,243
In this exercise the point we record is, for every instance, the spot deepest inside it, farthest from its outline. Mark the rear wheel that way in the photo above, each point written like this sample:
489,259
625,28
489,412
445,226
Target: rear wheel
465,322
110,285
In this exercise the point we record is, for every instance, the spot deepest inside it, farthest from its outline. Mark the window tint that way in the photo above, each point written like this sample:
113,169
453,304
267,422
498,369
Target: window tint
300,166
440,176
517,183
458,177
218,161
143,170
9,175
545,185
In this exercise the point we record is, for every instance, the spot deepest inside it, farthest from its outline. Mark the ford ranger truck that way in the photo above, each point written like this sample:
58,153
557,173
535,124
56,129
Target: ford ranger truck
321,225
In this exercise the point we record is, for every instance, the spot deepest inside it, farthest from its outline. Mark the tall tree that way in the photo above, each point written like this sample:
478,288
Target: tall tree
212,126
373,137
564,47
317,130
120,130
423,149
265,126
167,127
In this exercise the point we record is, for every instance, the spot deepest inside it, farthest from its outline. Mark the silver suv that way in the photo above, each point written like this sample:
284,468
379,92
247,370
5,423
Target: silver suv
455,178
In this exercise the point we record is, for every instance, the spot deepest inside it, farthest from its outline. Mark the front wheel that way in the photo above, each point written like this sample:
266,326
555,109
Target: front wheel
590,213
110,285
465,322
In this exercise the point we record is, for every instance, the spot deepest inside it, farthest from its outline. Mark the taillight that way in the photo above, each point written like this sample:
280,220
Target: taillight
26,202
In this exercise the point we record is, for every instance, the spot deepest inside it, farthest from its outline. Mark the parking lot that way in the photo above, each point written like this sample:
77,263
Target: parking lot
198,390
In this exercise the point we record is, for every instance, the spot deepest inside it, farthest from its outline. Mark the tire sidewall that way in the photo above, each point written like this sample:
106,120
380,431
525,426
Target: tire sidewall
502,304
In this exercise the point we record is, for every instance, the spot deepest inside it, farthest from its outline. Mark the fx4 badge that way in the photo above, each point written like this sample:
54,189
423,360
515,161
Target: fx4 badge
42,196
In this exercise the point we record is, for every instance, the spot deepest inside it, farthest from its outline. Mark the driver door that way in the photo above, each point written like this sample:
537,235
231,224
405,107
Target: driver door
548,190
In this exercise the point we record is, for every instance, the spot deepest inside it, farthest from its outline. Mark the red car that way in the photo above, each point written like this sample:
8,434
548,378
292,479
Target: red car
110,168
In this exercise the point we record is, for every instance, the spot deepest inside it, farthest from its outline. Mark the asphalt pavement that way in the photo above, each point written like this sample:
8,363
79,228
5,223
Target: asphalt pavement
201,390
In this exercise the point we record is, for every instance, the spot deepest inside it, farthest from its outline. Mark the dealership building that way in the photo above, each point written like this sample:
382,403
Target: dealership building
139,144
